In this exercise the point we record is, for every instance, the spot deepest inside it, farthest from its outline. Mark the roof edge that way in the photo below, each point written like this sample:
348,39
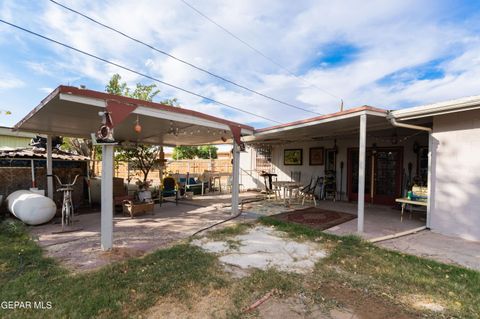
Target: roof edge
456,105
323,117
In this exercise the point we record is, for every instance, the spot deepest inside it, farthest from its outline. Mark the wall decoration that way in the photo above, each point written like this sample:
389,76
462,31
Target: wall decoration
316,156
293,157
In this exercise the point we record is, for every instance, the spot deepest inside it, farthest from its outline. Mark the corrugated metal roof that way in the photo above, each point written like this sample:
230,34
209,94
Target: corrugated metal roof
40,153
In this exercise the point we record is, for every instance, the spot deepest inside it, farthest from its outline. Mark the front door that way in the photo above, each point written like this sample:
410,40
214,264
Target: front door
383,175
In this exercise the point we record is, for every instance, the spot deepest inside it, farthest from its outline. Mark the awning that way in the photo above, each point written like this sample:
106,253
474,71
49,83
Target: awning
73,112
322,127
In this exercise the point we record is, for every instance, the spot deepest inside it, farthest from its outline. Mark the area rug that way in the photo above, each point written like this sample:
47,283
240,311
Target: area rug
315,217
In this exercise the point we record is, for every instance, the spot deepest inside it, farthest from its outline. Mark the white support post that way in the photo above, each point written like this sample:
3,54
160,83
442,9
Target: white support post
429,179
32,166
236,178
107,197
49,167
361,173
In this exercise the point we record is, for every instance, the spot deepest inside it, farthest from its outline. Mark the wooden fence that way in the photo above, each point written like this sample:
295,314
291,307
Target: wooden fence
195,168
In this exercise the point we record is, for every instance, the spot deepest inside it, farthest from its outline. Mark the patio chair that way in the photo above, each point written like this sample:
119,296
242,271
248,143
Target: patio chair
296,176
169,188
194,185
230,183
308,192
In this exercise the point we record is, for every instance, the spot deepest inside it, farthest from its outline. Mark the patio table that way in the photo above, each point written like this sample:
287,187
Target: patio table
404,201
287,185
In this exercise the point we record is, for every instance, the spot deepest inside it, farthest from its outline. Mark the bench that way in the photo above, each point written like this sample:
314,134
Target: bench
418,198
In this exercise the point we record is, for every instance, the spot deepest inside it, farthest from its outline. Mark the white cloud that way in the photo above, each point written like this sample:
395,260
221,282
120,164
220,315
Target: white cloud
7,83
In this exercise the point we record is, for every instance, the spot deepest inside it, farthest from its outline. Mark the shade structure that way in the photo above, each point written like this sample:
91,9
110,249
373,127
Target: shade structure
74,112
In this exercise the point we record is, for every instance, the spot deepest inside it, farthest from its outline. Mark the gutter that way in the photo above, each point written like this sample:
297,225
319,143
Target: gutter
393,121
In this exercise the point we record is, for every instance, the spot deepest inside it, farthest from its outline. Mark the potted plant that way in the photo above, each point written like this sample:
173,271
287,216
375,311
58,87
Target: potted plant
144,194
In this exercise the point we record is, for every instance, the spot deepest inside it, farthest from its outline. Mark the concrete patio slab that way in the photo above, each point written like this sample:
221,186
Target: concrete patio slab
80,250
446,249
380,220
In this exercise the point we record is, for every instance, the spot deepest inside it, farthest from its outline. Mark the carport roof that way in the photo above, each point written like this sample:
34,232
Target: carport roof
324,126
72,111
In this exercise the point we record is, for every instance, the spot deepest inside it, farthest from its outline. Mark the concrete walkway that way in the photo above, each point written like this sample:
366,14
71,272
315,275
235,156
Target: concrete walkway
427,244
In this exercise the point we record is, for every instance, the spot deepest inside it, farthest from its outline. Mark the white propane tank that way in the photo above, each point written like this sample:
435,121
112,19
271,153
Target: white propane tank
31,208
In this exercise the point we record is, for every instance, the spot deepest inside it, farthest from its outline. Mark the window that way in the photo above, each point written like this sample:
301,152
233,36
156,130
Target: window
263,160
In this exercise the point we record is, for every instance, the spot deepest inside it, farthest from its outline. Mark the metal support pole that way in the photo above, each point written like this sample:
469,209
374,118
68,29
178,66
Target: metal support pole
361,173
50,167
32,165
235,178
429,179
107,197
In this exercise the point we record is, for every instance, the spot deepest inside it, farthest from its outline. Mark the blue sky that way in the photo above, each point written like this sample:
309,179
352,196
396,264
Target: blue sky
389,54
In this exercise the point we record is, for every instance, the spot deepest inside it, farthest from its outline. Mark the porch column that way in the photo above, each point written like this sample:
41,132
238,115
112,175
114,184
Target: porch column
236,178
107,197
361,173
429,179
49,167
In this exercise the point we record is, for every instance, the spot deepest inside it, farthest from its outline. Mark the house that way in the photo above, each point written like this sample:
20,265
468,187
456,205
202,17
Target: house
13,139
387,152
365,154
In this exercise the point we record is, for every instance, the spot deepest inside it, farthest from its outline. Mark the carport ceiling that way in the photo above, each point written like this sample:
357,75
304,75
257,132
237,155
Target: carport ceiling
74,112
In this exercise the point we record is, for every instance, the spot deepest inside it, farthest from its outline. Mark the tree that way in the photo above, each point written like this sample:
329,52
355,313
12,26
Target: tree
184,152
207,151
191,152
141,157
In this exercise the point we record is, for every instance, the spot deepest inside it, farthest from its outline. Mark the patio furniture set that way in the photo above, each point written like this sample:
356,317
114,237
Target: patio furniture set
180,187
293,189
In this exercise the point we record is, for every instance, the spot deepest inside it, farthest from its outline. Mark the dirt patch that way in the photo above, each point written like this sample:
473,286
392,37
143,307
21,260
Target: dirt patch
212,305
121,253
292,308
315,217
362,305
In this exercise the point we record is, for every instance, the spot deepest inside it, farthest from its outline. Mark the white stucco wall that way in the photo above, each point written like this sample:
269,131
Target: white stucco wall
456,175
250,178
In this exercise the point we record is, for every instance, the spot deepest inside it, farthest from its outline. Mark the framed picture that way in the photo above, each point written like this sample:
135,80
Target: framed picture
316,156
293,157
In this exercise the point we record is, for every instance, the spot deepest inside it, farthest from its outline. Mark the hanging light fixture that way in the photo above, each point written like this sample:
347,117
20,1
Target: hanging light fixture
137,128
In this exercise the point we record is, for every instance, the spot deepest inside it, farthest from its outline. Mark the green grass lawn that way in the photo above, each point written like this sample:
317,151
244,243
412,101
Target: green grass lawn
114,291
393,275
183,273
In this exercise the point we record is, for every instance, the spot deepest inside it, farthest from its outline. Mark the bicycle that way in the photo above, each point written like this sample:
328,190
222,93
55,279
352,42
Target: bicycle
67,206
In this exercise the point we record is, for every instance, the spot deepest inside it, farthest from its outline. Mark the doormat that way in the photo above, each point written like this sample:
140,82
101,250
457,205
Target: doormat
315,217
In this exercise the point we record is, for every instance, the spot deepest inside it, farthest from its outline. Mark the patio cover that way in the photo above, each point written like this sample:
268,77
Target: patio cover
322,127
75,112
348,122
